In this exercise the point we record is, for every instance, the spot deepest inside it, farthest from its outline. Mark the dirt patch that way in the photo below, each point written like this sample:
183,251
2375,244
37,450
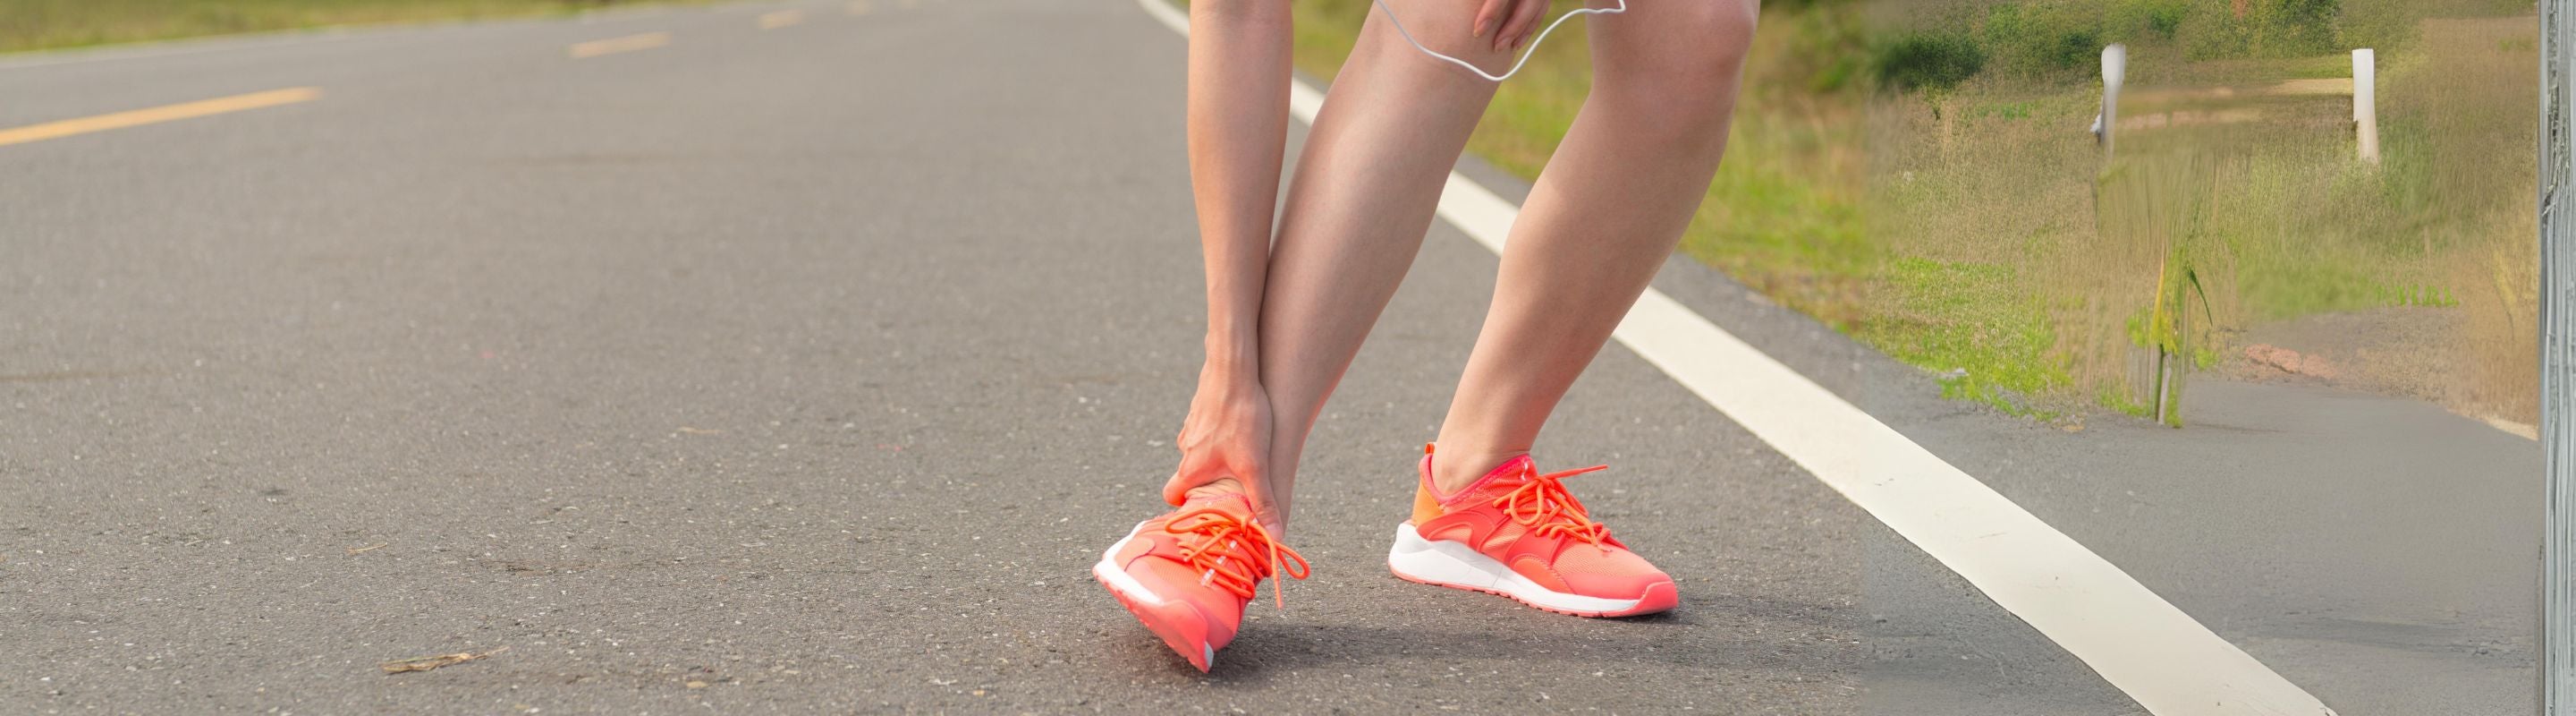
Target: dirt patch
2289,362
2421,353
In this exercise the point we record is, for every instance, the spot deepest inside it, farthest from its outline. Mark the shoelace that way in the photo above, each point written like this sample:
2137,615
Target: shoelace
1543,503
1214,537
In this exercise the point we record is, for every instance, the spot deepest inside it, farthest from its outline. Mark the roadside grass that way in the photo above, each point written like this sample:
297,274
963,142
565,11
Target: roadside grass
1997,179
54,24
1996,340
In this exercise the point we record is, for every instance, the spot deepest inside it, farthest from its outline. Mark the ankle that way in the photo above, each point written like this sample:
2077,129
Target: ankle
1219,488
1454,471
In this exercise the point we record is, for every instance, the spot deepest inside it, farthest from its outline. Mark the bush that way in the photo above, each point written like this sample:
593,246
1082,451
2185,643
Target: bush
2145,20
2269,28
2044,38
1927,61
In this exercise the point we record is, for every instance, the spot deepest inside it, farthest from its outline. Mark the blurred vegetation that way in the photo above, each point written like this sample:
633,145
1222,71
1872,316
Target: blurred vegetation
49,24
1931,61
2236,199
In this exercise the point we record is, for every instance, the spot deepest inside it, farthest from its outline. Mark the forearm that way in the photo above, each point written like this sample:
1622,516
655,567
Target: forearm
1238,129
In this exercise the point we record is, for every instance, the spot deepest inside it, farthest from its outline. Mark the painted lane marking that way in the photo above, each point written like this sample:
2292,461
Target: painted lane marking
614,45
2149,649
156,115
781,18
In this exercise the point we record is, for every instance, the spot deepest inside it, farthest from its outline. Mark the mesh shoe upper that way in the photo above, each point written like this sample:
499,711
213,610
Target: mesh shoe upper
1526,519
1209,555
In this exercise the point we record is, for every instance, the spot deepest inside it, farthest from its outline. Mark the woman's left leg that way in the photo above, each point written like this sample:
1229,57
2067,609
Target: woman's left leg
1604,214
1608,209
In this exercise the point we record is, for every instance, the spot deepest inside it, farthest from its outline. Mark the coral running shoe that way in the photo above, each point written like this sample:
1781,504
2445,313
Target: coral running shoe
1518,533
1188,574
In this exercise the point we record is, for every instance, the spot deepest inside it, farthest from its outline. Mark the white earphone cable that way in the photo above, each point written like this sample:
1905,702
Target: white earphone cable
1525,56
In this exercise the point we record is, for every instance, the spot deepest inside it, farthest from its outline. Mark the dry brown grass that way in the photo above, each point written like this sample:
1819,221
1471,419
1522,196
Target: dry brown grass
2475,98
2243,173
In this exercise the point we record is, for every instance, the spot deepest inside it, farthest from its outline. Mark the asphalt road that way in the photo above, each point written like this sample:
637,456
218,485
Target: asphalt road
809,368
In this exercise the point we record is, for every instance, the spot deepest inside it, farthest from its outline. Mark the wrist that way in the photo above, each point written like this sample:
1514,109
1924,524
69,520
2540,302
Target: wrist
1231,358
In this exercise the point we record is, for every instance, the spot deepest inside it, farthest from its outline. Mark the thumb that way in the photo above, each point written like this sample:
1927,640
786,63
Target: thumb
1176,490
1256,490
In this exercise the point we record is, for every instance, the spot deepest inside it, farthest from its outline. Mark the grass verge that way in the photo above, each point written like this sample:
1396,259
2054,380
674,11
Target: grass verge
55,24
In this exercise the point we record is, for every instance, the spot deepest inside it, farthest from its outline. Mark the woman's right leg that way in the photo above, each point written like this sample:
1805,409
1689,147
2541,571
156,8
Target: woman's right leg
1364,192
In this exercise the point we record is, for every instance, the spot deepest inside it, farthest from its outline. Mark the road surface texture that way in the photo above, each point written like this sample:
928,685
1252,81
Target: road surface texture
805,362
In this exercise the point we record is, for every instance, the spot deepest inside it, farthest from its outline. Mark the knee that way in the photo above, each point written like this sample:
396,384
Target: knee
1721,33
1690,76
1447,28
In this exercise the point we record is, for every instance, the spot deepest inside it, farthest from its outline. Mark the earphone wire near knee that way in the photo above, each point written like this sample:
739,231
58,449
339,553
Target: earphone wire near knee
1525,55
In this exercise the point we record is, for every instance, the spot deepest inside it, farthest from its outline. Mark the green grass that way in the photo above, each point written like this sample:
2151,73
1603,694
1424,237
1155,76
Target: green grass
1976,326
52,24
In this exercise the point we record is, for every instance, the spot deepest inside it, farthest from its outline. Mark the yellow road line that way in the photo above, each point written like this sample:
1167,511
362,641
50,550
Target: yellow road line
779,19
155,115
858,7
614,45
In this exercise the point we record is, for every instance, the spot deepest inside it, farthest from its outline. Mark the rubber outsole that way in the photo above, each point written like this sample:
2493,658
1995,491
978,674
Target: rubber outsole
1659,597
1179,625
1456,566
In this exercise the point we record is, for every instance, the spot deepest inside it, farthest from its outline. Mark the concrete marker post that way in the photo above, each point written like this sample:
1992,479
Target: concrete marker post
2115,63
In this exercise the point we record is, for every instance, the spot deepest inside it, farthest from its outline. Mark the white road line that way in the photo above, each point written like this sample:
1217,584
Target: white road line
2169,663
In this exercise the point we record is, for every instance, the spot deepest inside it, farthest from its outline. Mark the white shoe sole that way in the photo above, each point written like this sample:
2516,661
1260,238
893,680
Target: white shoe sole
1107,571
1180,625
1451,564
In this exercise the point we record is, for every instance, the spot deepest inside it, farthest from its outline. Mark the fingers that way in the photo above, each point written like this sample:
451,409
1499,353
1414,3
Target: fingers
1176,490
1199,468
1491,15
1192,473
1524,18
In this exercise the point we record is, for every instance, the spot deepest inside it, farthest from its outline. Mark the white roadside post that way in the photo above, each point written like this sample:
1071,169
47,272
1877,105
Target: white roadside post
2365,95
2115,62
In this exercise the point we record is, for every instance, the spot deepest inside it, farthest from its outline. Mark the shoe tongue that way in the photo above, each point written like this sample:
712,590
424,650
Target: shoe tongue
1235,504
1510,474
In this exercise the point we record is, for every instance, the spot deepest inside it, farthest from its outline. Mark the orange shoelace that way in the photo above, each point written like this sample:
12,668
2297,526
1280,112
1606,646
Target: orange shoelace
1543,503
1227,548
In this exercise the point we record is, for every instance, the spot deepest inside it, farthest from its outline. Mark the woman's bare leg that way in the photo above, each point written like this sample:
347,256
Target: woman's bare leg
1365,187
1608,209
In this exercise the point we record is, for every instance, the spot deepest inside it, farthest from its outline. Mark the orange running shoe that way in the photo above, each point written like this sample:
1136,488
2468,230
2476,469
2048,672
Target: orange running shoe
1188,574
1518,533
